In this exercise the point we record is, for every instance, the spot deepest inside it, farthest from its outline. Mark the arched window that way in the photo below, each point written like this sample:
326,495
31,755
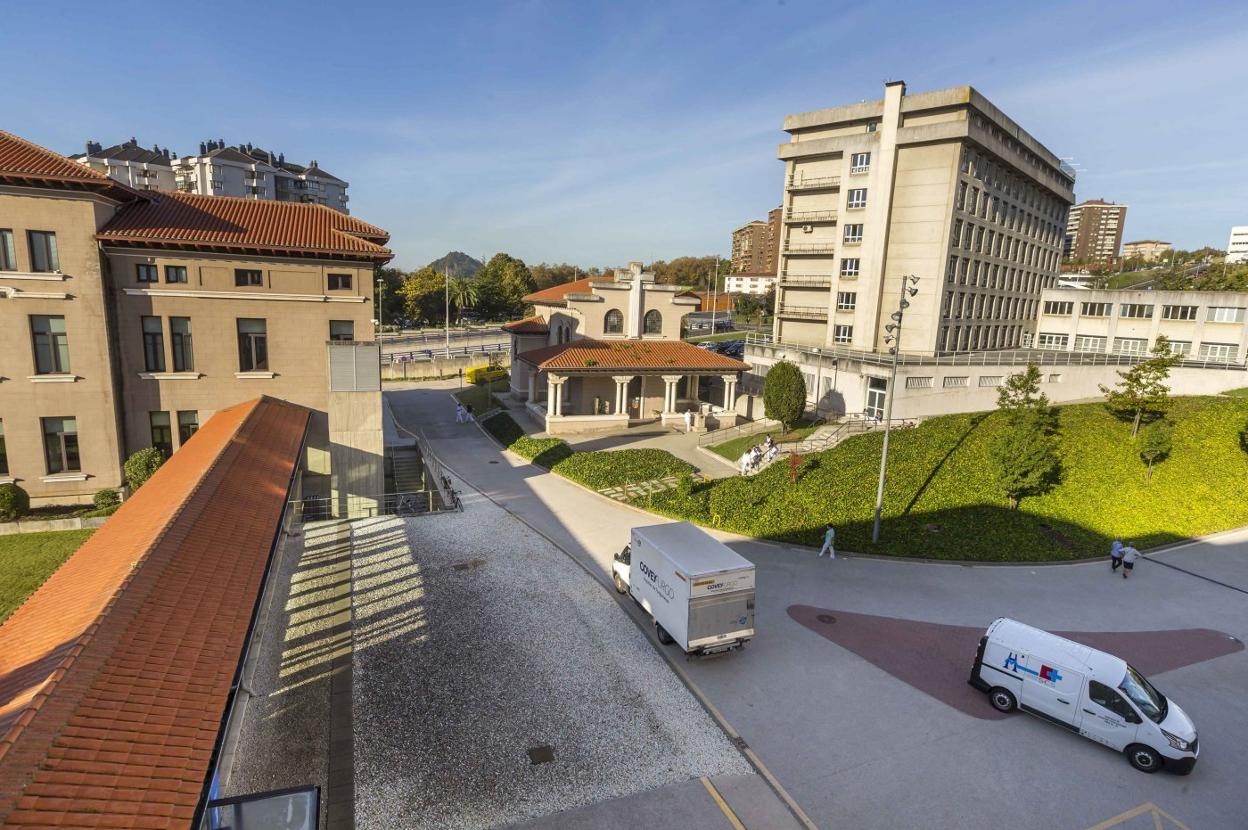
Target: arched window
653,323
614,322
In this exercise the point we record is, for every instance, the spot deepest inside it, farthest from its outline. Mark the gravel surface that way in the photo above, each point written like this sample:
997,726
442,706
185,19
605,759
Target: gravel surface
476,641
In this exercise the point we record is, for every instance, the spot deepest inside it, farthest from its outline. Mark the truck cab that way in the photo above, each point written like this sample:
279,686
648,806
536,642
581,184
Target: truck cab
619,569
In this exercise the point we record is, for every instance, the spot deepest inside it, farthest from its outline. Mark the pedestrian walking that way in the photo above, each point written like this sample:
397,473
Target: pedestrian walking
829,543
468,412
1129,555
688,421
459,412
1115,555
745,463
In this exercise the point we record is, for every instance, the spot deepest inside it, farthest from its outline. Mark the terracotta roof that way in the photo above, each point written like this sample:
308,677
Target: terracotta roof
115,675
556,294
181,219
529,325
611,355
22,159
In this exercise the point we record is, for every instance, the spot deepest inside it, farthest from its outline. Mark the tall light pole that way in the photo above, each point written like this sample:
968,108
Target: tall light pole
893,339
446,272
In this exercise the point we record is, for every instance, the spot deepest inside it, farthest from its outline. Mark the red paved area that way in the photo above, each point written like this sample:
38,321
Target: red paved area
936,659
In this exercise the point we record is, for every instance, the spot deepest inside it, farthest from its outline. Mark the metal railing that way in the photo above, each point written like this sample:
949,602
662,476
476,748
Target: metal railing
719,436
415,503
854,423
433,352
814,183
807,280
811,215
805,312
1003,357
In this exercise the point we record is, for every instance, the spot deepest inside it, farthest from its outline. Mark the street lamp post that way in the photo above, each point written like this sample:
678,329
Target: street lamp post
446,272
893,339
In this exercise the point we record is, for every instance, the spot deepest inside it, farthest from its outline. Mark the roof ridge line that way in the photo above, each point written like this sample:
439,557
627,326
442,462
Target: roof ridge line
9,739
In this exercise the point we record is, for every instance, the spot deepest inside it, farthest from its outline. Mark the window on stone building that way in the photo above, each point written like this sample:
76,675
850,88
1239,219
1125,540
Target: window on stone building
652,323
613,322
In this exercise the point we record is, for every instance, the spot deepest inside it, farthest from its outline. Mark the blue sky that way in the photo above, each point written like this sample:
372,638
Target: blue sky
596,133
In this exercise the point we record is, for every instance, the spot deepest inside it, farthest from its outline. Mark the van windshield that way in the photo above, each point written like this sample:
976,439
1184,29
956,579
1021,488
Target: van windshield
1149,701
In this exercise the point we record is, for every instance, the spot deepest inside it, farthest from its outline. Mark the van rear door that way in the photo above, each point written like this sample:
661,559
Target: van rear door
1049,690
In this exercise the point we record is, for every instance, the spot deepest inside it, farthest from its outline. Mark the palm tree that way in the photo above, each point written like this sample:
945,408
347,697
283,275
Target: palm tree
463,294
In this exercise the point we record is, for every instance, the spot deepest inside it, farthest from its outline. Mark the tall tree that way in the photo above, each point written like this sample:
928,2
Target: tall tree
463,294
1143,390
423,296
1020,398
502,285
1025,460
387,299
1155,442
690,271
784,393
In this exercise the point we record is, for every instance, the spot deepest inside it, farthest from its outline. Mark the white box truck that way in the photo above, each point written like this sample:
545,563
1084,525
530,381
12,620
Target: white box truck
1087,691
697,590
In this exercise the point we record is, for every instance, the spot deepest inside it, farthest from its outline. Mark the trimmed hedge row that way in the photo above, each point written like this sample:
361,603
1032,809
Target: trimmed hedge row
596,470
942,501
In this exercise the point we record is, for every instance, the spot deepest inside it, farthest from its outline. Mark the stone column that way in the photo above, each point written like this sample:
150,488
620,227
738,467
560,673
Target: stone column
691,390
621,393
669,393
532,386
550,394
556,395
730,391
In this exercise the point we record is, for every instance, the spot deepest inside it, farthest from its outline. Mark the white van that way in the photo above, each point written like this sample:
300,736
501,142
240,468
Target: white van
1085,690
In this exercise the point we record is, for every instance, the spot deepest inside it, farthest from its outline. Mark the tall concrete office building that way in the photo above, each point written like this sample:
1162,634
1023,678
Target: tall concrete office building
1094,232
1237,245
941,185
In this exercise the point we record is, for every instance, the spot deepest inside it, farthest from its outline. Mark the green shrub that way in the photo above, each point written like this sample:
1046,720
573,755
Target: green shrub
105,499
615,468
784,393
545,452
142,465
14,503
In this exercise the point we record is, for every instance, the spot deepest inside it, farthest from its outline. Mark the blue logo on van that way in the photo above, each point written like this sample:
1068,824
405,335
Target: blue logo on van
1047,674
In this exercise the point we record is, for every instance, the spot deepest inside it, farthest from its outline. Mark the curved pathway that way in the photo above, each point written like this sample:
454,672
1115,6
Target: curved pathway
856,746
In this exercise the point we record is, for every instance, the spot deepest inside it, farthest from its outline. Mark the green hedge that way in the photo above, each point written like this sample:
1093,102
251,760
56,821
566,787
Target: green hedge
593,469
941,501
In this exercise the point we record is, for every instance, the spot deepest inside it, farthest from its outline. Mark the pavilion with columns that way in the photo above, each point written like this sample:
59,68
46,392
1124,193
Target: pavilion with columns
589,385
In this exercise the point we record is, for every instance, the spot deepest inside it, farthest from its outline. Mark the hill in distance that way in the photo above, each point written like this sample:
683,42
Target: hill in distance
458,264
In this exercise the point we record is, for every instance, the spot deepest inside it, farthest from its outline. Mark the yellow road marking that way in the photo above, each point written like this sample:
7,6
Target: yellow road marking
1147,807
723,805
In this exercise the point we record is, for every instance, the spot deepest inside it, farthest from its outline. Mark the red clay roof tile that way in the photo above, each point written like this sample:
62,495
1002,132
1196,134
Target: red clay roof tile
557,294
19,157
608,355
529,325
132,645
189,219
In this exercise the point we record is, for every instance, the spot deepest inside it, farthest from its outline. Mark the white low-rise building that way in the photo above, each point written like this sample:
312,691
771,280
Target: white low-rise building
1201,325
758,284
1237,245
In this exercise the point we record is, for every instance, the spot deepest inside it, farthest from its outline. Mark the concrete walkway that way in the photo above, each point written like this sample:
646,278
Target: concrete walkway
856,746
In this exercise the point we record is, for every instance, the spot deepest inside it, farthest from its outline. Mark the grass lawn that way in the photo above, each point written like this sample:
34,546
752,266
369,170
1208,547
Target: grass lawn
734,447
717,338
27,559
1241,392
941,501
481,397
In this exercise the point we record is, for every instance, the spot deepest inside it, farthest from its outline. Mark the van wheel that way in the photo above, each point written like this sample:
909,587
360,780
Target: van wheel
1143,758
664,637
1002,700
620,587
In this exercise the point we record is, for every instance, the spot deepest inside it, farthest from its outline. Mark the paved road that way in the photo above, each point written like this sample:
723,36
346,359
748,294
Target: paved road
858,747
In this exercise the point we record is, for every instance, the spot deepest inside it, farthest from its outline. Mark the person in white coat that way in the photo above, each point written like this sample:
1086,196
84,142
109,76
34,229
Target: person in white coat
1129,555
688,421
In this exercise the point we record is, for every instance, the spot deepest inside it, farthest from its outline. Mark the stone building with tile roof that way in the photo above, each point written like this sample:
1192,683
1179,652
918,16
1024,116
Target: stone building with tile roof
606,353
127,317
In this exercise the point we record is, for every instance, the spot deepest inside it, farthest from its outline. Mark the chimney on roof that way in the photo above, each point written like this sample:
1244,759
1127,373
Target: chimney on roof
313,164
133,142
203,148
281,158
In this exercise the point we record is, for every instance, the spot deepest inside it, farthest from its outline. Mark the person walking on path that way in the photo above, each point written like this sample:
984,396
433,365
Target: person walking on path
688,421
1115,555
468,412
829,543
459,412
745,463
1129,555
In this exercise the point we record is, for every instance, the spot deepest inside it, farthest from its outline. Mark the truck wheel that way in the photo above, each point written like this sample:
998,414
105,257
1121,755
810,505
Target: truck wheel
664,637
1002,699
1143,758
620,587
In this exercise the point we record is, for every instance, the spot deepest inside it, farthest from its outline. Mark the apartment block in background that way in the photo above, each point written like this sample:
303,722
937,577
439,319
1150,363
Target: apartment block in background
1094,232
253,173
1237,245
130,164
1207,326
1149,250
128,317
941,185
756,245
758,284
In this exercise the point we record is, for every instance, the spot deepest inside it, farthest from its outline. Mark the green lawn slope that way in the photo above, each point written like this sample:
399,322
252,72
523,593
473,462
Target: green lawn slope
941,501
28,559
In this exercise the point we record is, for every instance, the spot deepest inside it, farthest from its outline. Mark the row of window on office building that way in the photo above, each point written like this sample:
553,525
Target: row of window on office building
60,439
1145,311
1133,346
51,343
